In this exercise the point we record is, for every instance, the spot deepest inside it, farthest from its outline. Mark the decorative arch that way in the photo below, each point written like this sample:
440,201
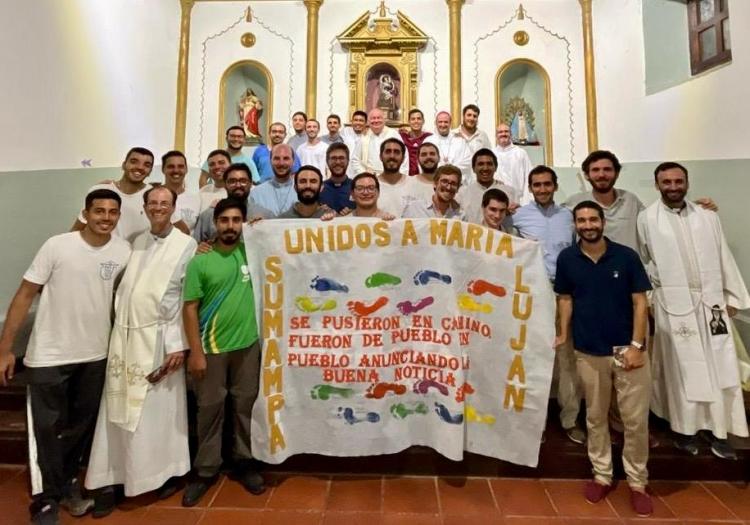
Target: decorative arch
519,72
246,99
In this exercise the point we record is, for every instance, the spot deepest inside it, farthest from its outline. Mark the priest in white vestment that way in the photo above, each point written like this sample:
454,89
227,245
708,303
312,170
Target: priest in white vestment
141,438
452,146
514,164
366,153
697,288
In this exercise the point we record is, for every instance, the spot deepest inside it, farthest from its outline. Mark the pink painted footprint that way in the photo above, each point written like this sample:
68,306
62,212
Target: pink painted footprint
423,387
407,307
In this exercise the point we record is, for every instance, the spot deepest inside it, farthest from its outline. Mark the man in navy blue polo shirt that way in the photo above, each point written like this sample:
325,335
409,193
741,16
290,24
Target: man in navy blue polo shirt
602,287
337,189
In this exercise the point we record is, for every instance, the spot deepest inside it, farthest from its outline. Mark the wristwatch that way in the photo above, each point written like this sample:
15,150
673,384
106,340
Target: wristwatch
637,345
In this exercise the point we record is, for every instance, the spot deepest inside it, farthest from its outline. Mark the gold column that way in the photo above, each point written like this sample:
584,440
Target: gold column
588,61
311,70
454,20
182,76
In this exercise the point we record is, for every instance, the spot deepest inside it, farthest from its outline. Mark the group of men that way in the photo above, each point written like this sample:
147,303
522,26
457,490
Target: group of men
173,307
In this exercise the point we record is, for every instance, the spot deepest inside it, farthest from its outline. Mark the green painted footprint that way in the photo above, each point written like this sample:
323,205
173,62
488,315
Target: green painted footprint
382,279
401,410
325,392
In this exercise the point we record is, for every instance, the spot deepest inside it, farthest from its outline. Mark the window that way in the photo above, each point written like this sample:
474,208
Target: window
709,34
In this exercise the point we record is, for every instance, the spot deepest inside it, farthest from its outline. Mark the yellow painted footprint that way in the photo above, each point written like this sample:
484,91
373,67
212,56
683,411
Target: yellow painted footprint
307,305
467,302
472,416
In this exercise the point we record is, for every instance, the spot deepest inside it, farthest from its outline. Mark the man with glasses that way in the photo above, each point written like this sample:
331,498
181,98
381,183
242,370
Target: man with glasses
443,204
337,189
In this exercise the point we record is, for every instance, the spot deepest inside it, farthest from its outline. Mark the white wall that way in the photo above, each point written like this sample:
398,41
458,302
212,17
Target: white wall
85,79
704,118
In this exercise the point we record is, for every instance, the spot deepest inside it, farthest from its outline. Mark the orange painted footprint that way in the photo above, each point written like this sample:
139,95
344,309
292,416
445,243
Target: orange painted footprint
379,390
481,287
363,309
462,391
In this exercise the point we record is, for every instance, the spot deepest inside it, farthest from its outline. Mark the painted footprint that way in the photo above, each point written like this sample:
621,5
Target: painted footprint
350,417
402,411
462,391
307,305
423,387
425,276
445,414
362,309
326,284
379,279
467,302
481,287
472,416
379,390
325,392
407,307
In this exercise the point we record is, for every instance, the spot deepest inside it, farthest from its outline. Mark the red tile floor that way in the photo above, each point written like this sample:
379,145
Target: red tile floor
362,500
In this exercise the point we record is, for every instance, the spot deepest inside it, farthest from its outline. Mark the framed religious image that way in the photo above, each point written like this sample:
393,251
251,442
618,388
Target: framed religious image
383,91
245,99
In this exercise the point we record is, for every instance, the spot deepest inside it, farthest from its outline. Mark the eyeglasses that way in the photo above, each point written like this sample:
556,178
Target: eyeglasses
448,184
238,182
366,189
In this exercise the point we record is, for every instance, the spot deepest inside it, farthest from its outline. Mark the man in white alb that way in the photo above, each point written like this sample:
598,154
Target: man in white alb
453,147
366,154
514,163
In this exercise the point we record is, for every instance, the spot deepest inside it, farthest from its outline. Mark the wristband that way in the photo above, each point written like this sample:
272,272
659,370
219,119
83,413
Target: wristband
637,345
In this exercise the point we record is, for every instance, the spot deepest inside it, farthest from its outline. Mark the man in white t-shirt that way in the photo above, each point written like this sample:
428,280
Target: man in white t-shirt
475,137
393,182
67,353
422,185
218,162
136,168
174,168
313,152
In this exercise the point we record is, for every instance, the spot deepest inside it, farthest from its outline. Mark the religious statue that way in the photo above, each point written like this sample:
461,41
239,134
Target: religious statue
383,91
250,111
521,118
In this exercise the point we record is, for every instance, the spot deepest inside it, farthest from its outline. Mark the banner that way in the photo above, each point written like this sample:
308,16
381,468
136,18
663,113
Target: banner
381,335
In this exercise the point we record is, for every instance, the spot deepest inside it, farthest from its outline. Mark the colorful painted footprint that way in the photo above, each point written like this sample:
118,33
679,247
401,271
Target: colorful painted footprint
481,287
462,391
307,305
380,279
423,387
363,309
379,390
445,414
472,416
326,284
408,308
402,411
325,392
423,277
467,302
350,417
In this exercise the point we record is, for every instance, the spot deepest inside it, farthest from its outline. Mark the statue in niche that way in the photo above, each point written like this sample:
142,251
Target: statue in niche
521,118
250,111
383,91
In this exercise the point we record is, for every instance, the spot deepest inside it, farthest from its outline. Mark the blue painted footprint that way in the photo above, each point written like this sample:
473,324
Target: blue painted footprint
348,415
423,277
442,411
326,284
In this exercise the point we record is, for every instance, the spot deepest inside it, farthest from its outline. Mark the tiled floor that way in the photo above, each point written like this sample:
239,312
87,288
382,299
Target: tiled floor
362,500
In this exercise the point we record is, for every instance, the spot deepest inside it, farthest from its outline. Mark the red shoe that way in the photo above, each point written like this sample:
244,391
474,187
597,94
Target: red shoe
595,492
641,503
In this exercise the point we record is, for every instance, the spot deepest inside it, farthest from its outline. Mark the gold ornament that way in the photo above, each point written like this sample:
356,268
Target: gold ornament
521,38
248,40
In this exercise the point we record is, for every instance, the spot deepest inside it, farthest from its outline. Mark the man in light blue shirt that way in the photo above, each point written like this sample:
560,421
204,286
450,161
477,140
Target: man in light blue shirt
262,154
235,142
277,195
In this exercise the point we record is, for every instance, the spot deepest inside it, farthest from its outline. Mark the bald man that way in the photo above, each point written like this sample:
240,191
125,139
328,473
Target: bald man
277,195
366,154
453,147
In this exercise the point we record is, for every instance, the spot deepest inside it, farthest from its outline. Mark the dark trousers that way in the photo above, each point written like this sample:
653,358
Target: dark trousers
64,405
237,374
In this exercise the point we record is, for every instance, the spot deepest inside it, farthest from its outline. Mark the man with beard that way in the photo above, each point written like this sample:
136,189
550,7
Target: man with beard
277,195
238,186
422,185
475,138
174,168
136,167
452,146
299,119
307,183
224,358
365,156
393,182
602,289
484,164
235,142
262,154
218,162
337,189
66,357
514,163
141,438
495,205
313,151
443,204
414,137
333,124
696,374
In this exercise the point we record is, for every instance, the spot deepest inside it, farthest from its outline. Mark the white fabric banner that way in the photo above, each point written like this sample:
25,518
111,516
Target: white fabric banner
381,335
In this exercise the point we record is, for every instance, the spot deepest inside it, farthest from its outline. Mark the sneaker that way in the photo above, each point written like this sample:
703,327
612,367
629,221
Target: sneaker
687,444
641,503
595,492
74,502
576,435
105,503
45,515
196,489
722,449
252,481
